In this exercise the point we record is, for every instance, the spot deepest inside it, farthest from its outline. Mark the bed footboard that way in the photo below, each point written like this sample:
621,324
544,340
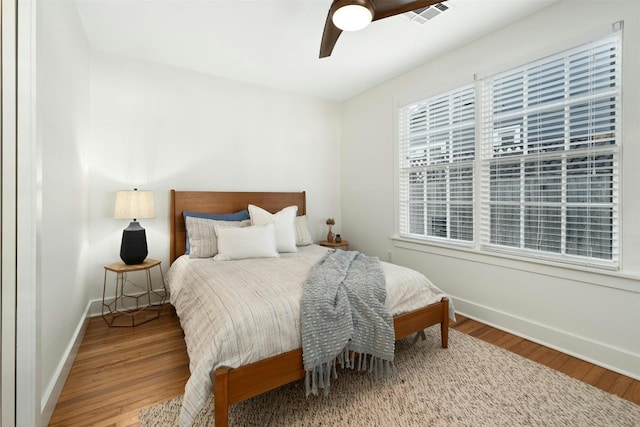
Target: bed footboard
235,385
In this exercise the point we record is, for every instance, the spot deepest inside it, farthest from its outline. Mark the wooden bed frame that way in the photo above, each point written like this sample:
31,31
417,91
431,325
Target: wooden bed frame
233,385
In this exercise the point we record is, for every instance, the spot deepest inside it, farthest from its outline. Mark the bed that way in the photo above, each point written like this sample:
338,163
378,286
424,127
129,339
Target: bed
232,384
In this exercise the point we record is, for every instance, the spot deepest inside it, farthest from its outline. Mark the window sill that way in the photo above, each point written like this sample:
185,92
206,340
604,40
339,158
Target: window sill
592,276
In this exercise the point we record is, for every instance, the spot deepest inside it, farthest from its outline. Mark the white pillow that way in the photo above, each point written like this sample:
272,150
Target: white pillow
202,235
303,235
284,223
257,241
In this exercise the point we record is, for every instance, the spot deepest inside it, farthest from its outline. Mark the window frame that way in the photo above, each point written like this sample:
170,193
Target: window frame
479,219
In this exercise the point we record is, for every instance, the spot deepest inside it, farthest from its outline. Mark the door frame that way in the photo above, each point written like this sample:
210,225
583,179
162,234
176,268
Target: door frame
19,388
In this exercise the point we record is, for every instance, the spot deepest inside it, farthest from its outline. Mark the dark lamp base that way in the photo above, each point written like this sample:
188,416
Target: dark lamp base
133,249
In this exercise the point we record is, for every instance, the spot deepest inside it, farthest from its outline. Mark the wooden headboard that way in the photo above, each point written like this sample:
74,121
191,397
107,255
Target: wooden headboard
220,202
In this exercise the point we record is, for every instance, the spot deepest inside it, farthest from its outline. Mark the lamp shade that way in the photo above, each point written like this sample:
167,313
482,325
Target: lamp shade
353,16
134,205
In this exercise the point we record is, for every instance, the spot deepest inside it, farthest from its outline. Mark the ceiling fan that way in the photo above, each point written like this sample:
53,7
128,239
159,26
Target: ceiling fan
354,15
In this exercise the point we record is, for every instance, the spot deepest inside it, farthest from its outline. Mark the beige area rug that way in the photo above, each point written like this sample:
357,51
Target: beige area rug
472,383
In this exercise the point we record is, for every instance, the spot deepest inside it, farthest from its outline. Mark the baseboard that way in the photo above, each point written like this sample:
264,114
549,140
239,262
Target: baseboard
614,359
52,393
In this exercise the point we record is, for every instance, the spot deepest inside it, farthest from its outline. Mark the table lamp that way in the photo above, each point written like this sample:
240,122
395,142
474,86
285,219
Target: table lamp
134,205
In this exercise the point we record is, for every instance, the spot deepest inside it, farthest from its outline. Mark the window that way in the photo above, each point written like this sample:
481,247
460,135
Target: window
545,163
549,162
437,153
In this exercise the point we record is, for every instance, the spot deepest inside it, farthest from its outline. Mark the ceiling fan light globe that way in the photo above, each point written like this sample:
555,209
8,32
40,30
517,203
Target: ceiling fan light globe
352,17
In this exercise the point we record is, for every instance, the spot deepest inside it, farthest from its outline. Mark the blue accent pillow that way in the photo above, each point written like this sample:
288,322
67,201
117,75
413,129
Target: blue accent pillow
236,216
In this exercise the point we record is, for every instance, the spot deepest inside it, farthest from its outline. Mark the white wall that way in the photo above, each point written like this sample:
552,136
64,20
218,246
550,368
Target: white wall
158,128
591,315
62,191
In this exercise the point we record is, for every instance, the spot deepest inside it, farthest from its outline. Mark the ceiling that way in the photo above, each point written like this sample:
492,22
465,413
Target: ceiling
275,43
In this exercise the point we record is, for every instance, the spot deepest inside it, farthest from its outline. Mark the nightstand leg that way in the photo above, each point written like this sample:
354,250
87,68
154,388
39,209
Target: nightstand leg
149,287
164,287
120,279
104,294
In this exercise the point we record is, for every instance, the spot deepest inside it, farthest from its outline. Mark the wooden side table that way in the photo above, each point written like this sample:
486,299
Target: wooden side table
342,245
127,291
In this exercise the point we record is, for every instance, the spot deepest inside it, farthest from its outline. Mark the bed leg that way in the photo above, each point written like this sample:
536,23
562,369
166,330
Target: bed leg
444,325
417,336
221,397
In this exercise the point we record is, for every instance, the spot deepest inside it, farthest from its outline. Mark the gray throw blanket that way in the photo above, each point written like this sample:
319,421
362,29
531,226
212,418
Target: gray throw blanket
342,314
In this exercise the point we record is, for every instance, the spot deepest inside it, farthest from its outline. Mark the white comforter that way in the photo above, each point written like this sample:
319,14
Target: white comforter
238,312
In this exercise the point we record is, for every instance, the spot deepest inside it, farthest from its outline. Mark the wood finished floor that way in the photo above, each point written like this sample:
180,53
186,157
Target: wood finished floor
119,371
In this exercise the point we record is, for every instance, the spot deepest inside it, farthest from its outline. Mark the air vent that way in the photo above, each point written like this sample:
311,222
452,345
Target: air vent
424,14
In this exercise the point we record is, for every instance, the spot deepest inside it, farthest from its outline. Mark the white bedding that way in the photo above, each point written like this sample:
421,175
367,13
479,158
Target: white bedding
237,312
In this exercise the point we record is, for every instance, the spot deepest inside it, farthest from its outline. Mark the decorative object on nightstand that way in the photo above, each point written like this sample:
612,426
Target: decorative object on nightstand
330,236
144,309
344,244
338,238
134,205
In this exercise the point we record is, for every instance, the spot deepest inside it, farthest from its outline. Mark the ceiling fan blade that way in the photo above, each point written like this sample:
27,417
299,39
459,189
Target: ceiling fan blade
387,8
329,36
383,9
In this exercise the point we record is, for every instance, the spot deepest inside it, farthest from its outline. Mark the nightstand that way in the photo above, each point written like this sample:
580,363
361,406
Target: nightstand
342,245
132,304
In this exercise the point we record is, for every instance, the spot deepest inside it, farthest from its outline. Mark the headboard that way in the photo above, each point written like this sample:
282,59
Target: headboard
221,202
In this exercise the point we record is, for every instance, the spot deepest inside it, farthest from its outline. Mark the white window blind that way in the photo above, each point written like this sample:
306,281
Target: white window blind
549,138
437,153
